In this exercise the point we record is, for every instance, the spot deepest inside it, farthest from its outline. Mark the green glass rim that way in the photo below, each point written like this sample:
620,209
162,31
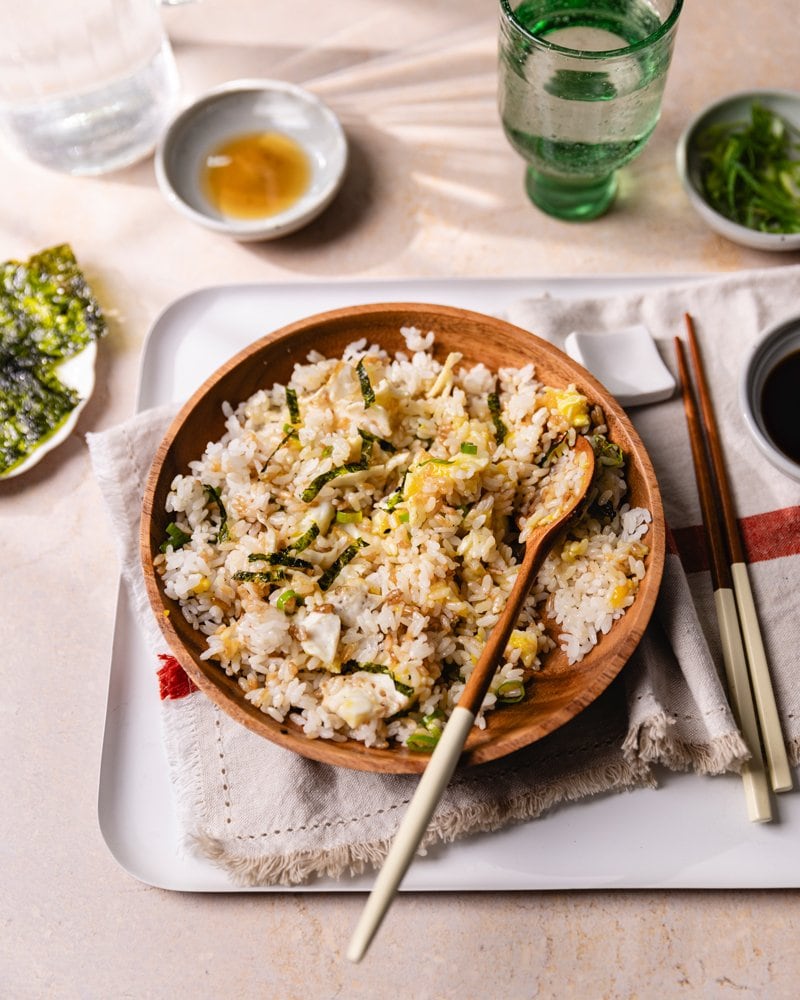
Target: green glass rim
643,43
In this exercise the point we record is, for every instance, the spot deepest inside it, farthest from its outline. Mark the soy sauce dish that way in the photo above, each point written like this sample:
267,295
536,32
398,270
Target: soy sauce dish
768,396
253,159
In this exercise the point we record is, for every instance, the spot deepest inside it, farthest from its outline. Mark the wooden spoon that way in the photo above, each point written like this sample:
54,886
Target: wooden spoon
443,761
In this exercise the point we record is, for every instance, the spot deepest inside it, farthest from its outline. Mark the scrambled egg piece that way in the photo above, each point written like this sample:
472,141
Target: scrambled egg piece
527,644
320,632
361,697
572,406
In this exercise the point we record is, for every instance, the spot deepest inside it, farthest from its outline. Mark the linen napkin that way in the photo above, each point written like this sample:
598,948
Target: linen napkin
268,816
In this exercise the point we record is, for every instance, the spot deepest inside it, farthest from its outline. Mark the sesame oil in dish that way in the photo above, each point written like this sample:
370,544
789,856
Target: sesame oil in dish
255,175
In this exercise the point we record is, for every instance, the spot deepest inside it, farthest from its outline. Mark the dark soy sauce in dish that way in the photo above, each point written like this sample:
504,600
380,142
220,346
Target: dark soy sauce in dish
779,405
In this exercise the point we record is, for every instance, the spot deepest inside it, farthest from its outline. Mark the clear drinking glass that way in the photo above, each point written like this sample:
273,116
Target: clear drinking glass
579,87
85,87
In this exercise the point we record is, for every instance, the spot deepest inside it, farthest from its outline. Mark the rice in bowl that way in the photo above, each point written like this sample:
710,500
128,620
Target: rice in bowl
348,544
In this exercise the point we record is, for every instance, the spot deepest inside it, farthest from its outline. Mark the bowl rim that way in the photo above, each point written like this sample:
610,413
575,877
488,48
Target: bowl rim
753,238
774,344
400,760
302,211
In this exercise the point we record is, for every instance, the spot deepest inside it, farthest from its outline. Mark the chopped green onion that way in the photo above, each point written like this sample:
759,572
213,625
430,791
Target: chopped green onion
366,386
291,403
261,576
327,451
289,597
436,461
353,666
349,516
510,692
423,740
213,495
336,567
175,537
500,429
434,722
316,484
403,516
468,448
750,171
306,538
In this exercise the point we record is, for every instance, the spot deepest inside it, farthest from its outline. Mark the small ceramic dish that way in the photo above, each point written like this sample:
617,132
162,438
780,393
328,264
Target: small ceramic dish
626,361
734,108
251,107
757,394
76,372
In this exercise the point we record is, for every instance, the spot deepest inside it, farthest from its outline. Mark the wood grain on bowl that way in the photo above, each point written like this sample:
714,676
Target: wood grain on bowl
559,691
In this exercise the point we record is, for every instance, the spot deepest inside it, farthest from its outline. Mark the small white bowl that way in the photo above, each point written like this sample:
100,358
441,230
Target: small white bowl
778,342
237,108
734,108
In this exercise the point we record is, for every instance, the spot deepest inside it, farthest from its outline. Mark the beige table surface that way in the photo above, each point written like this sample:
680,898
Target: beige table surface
433,190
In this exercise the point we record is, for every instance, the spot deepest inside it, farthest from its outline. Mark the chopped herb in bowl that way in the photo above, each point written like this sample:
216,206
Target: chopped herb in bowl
750,170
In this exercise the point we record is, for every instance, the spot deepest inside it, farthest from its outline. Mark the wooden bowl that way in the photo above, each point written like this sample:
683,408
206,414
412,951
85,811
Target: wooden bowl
559,691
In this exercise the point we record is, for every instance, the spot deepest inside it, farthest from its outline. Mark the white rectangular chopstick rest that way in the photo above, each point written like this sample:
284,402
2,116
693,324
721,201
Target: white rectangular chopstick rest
774,746
756,786
412,829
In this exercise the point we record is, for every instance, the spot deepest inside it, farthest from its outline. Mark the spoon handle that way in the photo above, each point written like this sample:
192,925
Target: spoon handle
411,830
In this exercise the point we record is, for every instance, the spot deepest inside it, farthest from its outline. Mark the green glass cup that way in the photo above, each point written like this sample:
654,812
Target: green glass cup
580,84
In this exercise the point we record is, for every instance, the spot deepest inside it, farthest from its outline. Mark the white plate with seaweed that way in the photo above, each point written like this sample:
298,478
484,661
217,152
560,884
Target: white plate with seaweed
76,373
49,326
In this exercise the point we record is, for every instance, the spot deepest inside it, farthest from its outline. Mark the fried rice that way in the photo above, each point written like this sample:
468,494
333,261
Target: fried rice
348,544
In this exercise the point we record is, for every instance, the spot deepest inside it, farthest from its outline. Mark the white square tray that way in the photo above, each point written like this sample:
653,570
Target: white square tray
692,832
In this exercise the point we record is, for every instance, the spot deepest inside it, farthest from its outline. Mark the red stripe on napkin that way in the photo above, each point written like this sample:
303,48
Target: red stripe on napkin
772,535
173,681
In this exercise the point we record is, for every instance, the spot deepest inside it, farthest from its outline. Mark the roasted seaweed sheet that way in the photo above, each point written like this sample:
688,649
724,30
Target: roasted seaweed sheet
47,314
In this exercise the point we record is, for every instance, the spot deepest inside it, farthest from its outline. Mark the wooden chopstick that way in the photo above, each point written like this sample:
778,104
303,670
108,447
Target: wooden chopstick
754,777
768,717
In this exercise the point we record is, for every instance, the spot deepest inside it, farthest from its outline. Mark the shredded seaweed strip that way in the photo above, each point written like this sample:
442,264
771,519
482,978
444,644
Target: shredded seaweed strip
353,666
396,496
176,537
382,443
213,495
305,539
47,314
336,567
293,406
500,429
280,558
260,576
366,386
556,450
750,171
310,492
